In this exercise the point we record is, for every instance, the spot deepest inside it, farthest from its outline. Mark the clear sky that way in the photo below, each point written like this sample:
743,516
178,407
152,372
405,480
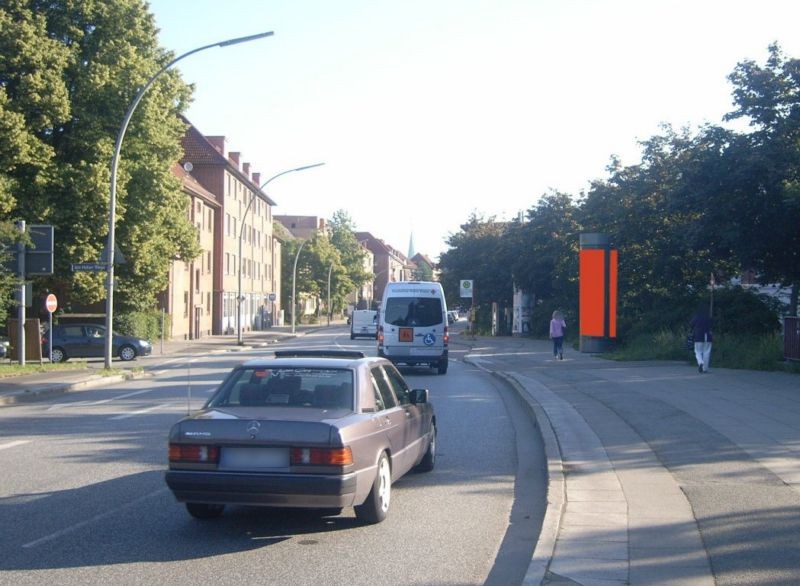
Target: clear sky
425,111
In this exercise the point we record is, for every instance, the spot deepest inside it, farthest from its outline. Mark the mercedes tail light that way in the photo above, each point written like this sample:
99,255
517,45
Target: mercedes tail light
193,453
321,456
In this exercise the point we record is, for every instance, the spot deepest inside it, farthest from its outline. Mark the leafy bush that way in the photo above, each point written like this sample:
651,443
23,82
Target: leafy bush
748,352
665,344
764,352
741,311
736,311
143,324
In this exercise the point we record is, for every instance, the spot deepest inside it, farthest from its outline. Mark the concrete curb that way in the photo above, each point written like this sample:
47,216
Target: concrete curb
556,483
91,381
556,490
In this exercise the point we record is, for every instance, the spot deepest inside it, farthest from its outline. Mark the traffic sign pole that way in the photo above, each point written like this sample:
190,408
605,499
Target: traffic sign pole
51,304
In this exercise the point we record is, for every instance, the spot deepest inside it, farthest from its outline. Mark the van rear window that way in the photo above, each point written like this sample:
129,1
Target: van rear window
413,311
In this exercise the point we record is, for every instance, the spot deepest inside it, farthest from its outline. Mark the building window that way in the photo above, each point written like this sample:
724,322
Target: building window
208,261
185,304
197,279
227,263
208,302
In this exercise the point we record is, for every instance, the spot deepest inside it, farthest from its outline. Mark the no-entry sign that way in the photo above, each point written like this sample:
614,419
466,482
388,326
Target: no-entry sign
51,303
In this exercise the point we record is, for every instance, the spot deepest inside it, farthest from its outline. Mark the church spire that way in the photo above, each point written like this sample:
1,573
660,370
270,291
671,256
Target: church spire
411,250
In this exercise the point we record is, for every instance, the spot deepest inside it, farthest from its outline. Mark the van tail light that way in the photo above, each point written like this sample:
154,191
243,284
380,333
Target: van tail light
446,336
193,454
321,456
380,336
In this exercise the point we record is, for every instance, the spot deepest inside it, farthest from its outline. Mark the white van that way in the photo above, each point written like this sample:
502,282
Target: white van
412,324
363,322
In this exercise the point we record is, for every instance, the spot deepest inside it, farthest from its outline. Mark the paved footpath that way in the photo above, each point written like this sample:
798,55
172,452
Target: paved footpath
659,474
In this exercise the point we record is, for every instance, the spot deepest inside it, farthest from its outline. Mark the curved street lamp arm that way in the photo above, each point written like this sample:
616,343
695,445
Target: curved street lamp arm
114,165
239,299
294,283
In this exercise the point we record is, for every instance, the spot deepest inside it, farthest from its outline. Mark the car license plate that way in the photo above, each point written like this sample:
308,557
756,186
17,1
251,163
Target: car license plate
253,458
423,352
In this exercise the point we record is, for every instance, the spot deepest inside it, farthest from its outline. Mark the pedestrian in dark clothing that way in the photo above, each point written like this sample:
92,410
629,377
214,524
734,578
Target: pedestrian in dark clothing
557,327
701,332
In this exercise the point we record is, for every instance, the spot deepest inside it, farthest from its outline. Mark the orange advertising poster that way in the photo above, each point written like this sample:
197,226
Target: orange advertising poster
592,296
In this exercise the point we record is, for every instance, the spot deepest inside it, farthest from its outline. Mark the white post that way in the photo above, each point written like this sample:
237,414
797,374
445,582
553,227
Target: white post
328,308
294,284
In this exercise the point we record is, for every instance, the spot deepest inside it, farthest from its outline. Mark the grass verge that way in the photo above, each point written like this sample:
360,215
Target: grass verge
727,351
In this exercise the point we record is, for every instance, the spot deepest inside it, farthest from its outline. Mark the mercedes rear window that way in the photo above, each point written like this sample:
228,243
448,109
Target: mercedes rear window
287,387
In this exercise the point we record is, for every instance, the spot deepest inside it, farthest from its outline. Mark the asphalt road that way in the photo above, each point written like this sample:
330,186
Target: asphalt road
82,496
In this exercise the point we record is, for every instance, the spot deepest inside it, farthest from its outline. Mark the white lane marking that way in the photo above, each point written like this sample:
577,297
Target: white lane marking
100,402
94,519
125,396
14,444
141,411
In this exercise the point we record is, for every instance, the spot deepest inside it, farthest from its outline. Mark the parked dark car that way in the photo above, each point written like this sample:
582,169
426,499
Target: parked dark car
320,430
88,340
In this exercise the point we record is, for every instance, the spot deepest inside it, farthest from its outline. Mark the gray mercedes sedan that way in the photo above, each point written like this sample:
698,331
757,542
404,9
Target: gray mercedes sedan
311,429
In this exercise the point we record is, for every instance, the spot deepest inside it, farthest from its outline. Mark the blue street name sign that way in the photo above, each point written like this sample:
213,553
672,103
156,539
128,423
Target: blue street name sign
89,266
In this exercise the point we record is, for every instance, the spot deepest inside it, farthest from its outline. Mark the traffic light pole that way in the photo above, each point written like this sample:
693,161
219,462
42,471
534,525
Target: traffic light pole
21,308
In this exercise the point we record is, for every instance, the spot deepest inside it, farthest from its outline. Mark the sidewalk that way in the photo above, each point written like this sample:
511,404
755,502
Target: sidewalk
658,474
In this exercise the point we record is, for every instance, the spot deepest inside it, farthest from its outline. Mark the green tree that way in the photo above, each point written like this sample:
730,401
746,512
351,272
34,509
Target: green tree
768,97
423,273
68,73
547,247
352,254
317,258
476,253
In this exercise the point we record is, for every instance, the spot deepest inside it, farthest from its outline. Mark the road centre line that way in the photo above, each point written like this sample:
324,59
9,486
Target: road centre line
100,402
94,519
14,444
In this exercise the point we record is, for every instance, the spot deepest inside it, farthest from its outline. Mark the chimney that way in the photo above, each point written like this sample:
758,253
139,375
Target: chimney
234,158
219,143
257,179
246,169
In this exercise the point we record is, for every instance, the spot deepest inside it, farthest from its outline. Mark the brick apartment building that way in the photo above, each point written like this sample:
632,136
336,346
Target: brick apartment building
227,205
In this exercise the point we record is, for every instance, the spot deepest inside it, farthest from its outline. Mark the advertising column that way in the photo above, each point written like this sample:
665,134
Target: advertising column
598,293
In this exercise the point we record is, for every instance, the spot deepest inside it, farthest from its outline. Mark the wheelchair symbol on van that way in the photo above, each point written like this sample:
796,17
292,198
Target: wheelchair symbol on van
429,339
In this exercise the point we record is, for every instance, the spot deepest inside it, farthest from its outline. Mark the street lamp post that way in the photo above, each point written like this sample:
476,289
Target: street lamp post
294,283
110,245
239,297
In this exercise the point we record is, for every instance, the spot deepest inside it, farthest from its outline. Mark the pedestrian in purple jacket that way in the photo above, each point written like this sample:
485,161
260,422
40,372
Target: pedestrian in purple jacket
557,328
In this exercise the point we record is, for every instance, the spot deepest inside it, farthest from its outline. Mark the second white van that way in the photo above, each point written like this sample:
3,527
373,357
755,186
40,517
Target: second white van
363,322
412,324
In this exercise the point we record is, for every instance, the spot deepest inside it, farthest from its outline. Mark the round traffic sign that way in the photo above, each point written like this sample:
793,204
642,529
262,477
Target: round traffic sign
51,303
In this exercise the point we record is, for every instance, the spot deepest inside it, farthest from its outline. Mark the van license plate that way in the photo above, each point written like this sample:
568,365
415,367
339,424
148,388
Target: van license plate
406,335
